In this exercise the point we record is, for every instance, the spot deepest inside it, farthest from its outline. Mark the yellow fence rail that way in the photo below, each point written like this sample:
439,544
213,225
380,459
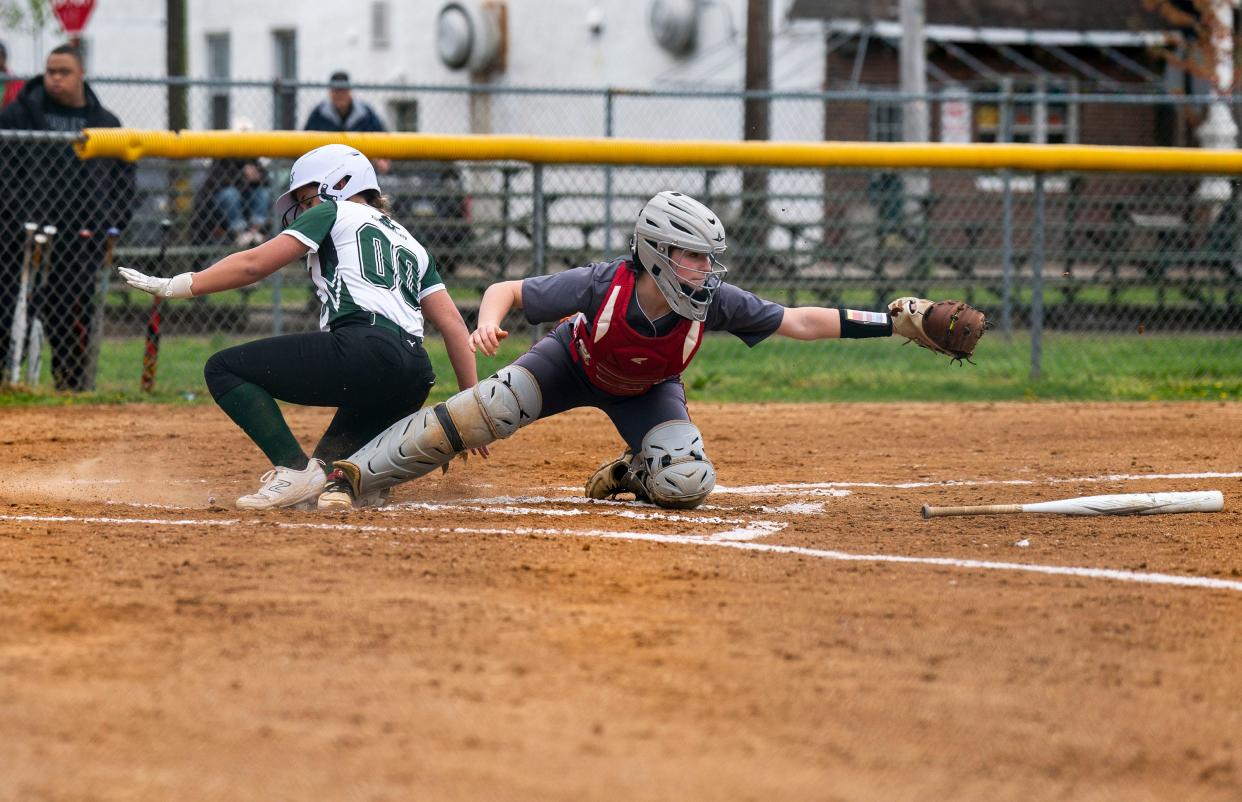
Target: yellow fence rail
131,145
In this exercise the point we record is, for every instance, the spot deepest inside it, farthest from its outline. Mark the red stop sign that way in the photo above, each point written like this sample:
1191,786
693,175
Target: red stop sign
73,14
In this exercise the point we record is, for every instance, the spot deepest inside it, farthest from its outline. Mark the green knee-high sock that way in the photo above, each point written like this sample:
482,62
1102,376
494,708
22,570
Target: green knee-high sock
255,411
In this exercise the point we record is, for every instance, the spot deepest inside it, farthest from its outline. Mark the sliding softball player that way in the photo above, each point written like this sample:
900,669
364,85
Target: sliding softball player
376,284
632,326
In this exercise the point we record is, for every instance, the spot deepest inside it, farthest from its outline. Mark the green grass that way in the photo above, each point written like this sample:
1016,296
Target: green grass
1075,367
1113,368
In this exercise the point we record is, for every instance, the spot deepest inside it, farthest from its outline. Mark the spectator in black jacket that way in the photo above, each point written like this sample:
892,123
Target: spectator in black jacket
45,183
341,112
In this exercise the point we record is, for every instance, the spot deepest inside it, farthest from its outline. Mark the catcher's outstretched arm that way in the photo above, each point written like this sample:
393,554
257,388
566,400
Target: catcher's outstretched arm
821,323
810,323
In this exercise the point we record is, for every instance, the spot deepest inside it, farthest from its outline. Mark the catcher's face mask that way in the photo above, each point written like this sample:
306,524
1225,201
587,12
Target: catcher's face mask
698,273
687,279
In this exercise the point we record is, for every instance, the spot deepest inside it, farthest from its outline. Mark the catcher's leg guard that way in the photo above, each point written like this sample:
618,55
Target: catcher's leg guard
415,446
614,477
674,469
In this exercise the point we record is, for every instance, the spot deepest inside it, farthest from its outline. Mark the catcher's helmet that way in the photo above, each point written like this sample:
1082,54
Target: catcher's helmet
328,167
673,220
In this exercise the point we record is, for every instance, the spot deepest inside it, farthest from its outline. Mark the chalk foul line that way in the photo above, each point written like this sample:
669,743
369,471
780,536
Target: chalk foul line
717,539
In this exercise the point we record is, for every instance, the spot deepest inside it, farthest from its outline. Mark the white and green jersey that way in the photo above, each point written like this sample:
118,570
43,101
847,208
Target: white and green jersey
361,260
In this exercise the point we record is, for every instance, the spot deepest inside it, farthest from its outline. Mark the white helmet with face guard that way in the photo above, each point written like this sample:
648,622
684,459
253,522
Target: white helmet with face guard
327,167
673,220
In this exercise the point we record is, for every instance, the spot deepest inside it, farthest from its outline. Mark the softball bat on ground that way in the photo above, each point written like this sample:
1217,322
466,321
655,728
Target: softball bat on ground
1123,504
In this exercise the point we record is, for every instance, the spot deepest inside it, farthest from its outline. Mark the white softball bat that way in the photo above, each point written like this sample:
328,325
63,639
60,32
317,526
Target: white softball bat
1122,504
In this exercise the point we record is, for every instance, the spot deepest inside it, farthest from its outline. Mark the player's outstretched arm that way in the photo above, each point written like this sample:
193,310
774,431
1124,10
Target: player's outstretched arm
821,323
810,323
235,270
497,301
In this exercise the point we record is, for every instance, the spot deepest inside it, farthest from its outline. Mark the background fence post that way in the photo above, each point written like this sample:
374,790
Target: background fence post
278,312
608,132
1037,278
506,219
538,223
538,231
1006,128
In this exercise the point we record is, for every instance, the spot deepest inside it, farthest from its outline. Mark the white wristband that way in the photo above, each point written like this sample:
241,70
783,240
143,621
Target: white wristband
180,286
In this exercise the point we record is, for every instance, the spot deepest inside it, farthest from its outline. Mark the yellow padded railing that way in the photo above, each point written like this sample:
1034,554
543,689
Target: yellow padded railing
131,145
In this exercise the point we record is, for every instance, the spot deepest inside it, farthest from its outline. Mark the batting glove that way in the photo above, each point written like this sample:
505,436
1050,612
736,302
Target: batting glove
175,287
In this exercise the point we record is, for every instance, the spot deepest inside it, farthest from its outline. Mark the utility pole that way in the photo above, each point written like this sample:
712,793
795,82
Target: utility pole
915,125
175,63
914,122
753,227
178,105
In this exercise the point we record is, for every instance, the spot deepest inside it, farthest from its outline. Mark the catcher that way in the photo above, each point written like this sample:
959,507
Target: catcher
630,327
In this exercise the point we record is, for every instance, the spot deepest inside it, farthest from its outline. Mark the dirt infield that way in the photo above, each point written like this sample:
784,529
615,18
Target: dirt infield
495,636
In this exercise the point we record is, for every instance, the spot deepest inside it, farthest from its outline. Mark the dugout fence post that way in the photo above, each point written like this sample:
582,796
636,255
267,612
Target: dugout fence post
1037,278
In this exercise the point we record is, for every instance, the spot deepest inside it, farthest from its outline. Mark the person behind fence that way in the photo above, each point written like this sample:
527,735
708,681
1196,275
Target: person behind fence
629,328
45,183
240,202
376,284
341,111
234,202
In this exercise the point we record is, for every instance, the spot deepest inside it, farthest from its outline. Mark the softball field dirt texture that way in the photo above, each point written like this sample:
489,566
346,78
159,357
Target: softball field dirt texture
493,635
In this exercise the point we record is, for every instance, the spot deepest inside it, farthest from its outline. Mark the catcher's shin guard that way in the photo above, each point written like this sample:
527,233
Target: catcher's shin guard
675,470
416,445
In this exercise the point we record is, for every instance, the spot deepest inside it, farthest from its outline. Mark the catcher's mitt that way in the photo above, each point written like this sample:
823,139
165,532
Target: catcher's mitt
947,327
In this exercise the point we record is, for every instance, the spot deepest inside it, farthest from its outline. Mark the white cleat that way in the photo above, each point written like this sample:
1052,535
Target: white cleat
285,487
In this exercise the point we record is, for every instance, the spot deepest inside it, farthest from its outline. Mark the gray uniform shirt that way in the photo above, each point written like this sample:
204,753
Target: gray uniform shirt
583,289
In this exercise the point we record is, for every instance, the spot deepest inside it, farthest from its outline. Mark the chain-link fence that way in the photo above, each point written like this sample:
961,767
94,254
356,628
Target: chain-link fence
1081,273
1058,113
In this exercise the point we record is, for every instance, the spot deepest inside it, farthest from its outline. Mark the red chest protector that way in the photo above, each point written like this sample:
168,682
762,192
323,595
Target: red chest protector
619,360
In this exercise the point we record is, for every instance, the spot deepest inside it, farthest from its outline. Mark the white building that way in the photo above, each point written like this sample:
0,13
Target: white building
585,44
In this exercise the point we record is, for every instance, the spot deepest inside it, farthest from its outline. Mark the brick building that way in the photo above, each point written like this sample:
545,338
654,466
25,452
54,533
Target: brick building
1040,52
1058,47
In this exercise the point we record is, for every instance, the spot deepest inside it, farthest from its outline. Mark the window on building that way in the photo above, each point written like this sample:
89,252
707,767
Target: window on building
219,68
285,102
1042,122
1048,121
884,124
379,25
404,114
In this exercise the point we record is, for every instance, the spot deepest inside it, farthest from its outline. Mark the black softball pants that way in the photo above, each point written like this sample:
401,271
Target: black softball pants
373,376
